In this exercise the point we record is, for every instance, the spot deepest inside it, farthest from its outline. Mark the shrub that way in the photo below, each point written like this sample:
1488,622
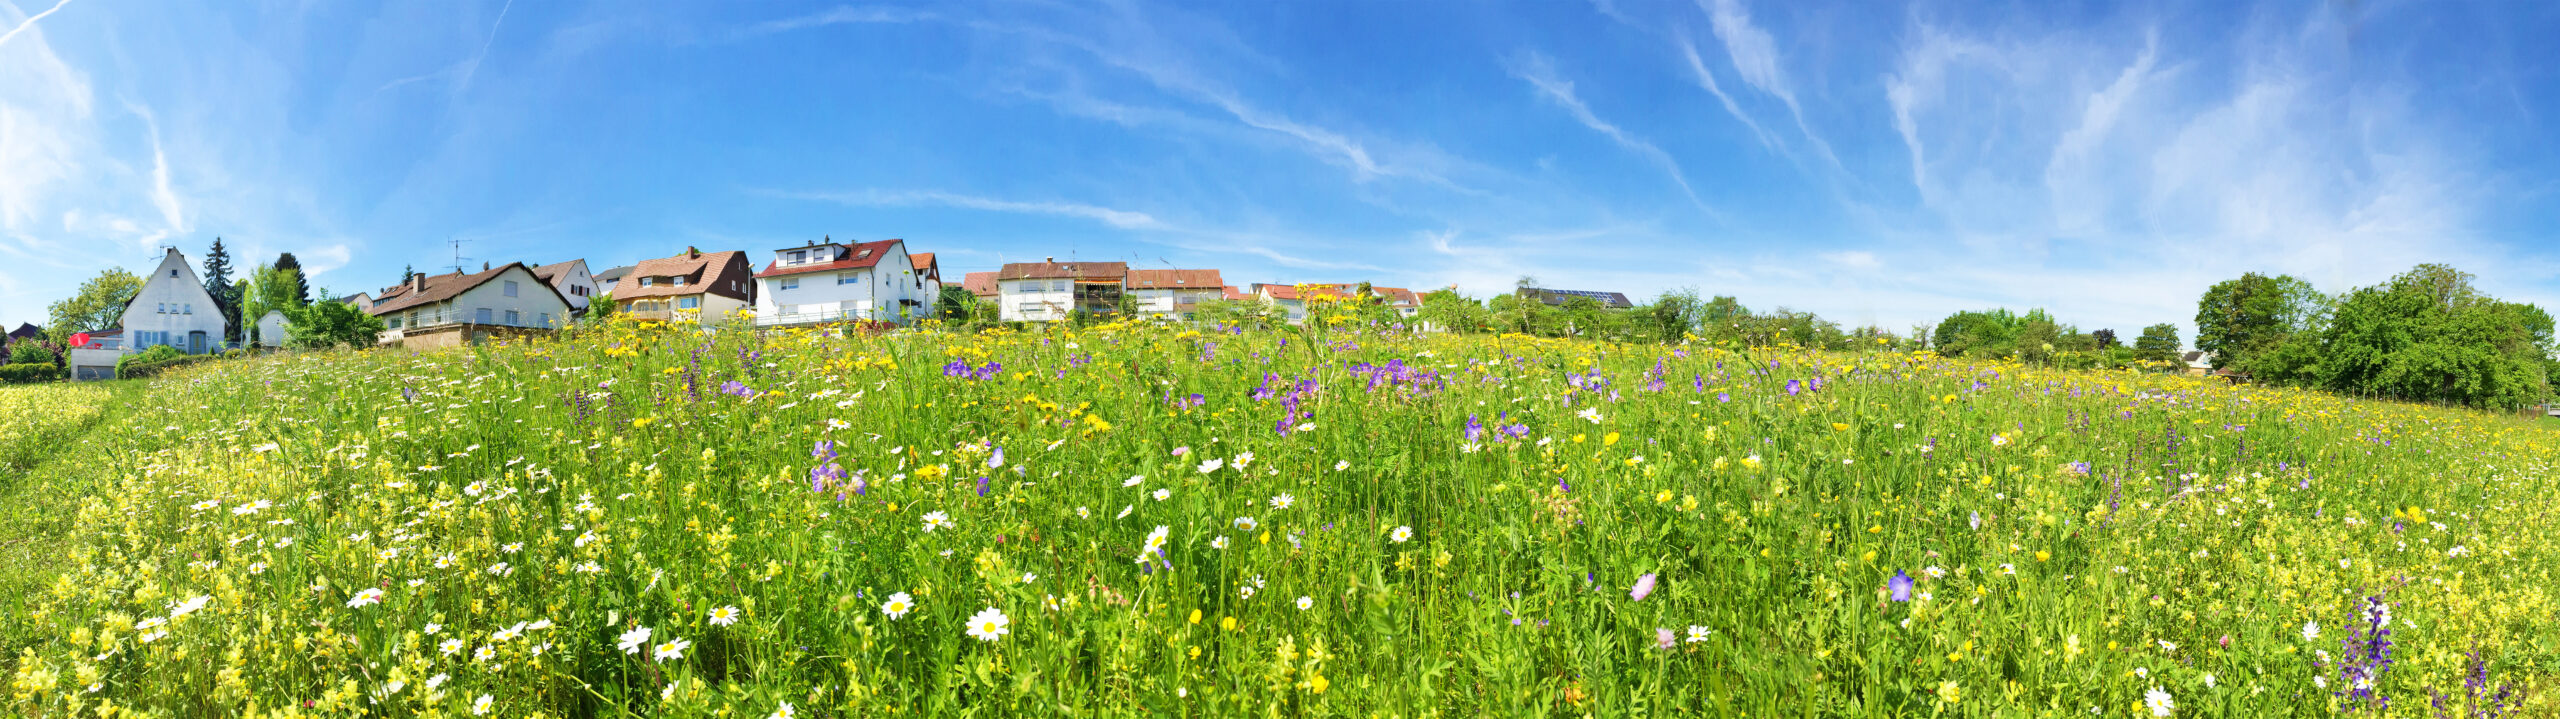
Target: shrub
137,370
24,372
29,352
158,353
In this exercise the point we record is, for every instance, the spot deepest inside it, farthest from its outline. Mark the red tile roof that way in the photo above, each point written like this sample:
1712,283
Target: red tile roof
856,256
1086,271
1174,279
982,284
923,262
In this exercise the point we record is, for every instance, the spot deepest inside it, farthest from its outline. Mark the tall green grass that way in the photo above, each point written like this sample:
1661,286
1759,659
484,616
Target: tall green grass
2076,542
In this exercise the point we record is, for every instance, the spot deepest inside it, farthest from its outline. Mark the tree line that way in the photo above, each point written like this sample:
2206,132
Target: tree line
2425,335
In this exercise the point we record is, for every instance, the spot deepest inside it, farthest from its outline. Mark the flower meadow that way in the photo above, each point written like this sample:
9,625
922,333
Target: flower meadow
641,520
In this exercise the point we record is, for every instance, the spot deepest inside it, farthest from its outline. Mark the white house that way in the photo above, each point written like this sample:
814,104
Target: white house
455,309
1292,299
573,282
700,287
1050,291
272,331
928,279
831,281
1174,293
172,309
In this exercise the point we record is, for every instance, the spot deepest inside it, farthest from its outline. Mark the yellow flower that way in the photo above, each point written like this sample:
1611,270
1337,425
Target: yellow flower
2042,555
1609,440
1948,692
1839,426
1228,624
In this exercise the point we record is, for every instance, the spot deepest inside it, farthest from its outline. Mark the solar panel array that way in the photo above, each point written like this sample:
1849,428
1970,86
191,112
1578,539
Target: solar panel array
1601,296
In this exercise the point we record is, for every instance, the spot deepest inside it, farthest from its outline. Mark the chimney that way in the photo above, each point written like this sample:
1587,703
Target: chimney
1051,260
484,267
418,282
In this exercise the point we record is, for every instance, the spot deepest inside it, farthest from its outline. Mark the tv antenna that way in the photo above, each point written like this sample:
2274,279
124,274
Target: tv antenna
457,253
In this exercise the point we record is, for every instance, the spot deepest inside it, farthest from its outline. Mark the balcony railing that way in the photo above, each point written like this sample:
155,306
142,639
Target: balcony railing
442,317
812,318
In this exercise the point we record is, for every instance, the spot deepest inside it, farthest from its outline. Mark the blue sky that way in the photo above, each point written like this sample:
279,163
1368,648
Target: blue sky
1876,163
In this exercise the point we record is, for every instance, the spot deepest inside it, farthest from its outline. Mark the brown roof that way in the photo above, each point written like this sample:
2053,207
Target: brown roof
440,288
923,262
551,272
1087,271
982,284
1174,279
703,272
856,256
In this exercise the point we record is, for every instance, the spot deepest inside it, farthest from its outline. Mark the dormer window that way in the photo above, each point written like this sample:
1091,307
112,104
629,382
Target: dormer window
798,256
679,280
648,281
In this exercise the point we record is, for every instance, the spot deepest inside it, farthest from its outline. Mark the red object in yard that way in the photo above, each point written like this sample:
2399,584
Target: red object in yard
80,340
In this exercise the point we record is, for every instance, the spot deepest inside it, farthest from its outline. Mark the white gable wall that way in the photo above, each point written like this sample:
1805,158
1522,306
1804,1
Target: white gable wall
576,286
172,308
271,329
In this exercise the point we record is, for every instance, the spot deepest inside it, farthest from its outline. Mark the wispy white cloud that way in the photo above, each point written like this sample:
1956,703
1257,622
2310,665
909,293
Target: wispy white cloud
1852,259
841,15
1707,79
1540,73
173,214
1124,219
1755,57
1198,238
2097,173
320,260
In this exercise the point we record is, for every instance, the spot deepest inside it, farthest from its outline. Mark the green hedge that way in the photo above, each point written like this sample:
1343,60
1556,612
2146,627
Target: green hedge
138,370
29,372
153,355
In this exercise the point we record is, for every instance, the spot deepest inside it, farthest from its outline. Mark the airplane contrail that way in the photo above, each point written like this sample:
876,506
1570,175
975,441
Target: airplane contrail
31,21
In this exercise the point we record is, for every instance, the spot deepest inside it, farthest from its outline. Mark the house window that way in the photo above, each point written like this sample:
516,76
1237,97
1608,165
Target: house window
679,280
391,323
791,283
797,256
688,303
845,278
173,273
511,288
515,318
163,308
1057,285
483,316
191,308
648,281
